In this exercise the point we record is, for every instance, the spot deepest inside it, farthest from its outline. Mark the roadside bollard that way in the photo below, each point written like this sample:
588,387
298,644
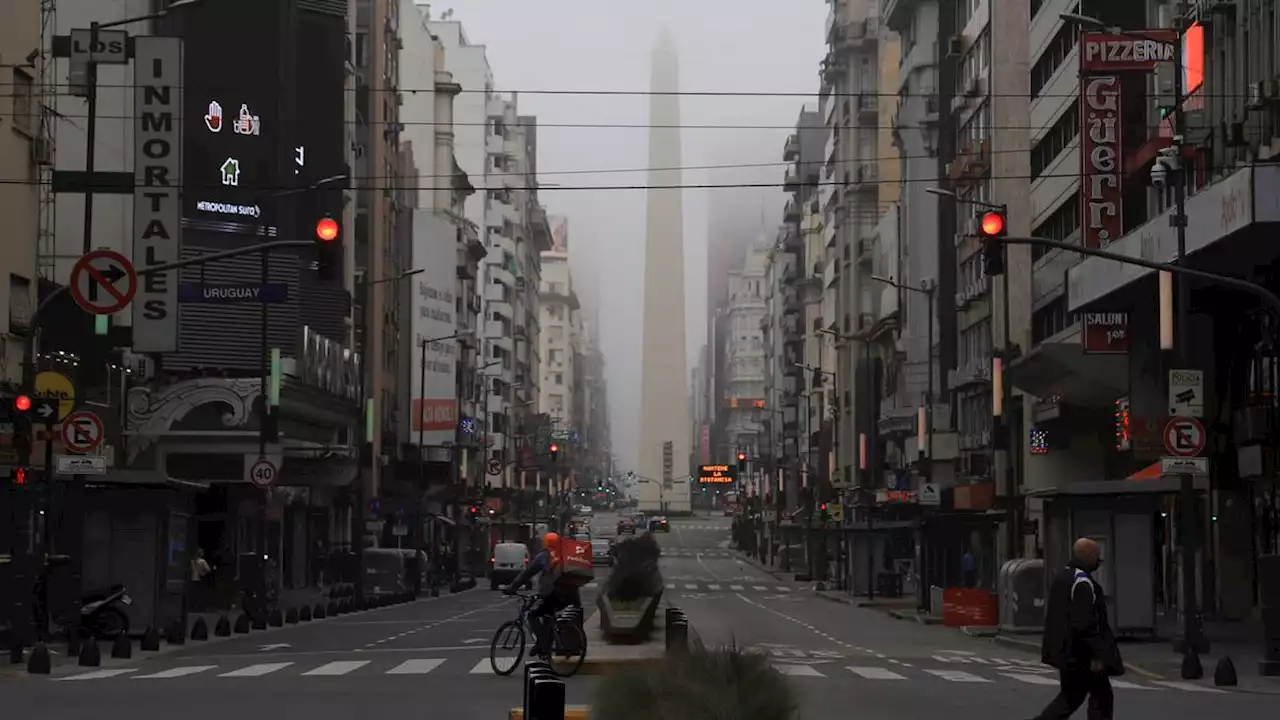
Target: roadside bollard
1224,674
304,615
121,648
176,634
242,624
291,617
222,628
258,621
534,670
672,614
678,636
276,619
38,663
150,640
15,653
90,653
330,610
546,699
200,629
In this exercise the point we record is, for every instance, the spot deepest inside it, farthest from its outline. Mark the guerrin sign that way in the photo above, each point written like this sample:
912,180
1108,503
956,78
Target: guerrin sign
717,474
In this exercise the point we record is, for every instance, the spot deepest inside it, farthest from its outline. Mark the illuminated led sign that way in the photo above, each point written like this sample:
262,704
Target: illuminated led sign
717,474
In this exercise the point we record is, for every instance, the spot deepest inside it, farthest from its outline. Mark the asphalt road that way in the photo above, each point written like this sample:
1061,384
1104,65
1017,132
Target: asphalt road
431,657
845,661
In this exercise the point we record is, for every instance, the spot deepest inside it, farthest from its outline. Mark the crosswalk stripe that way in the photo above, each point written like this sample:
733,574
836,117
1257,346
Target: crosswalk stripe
690,586
97,674
782,588
798,670
875,673
175,672
759,587
1031,679
338,667
671,586
484,667
957,676
1126,685
416,667
1189,687
257,670
713,587
735,587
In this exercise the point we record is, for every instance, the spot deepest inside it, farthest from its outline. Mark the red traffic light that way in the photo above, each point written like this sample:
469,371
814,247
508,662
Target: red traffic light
992,224
823,508
742,456
327,230
20,475
555,448
22,403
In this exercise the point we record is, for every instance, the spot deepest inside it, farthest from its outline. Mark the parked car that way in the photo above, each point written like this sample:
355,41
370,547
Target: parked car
601,552
585,510
626,526
659,524
508,561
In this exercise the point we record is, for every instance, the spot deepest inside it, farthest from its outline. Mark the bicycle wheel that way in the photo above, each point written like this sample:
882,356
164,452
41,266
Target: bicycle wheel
569,635
507,648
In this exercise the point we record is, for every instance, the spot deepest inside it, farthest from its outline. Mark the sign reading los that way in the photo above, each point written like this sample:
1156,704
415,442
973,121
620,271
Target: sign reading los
717,474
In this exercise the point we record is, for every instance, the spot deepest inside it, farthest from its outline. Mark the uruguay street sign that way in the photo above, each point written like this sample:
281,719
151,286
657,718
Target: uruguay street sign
221,294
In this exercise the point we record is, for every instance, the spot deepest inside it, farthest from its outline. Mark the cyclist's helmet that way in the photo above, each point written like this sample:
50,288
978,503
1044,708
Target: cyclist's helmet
551,541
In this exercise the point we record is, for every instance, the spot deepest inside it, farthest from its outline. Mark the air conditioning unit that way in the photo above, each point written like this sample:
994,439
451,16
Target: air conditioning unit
42,151
955,46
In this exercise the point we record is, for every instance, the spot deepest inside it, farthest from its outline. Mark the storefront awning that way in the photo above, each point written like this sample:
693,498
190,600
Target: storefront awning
1129,486
1062,369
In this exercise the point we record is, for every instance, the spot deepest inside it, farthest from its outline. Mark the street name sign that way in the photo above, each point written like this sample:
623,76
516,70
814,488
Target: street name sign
1184,466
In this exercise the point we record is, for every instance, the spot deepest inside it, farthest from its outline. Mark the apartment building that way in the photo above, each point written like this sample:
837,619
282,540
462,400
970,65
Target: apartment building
849,93
595,435
25,144
560,317
746,399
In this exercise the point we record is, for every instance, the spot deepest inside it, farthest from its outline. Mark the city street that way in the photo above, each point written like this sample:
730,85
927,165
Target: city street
433,654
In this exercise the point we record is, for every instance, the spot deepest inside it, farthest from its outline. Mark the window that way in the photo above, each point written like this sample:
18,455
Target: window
23,101
1055,53
977,128
362,50
975,342
555,355
1062,134
558,378
1051,320
1059,226
975,63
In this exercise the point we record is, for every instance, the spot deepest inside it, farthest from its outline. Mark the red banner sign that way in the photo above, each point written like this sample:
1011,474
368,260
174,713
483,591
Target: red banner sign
1105,333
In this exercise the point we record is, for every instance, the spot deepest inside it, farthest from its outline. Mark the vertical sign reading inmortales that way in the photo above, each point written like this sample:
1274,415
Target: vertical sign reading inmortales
157,206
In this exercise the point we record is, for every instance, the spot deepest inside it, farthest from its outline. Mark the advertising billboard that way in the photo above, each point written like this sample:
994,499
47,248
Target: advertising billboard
1104,59
1105,333
432,306
232,133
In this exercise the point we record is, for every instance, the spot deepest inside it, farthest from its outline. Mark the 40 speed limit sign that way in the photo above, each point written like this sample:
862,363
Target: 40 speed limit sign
263,472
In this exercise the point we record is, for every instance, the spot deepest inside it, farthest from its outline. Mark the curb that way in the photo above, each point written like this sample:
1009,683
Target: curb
571,712
779,575
600,667
1023,644
19,669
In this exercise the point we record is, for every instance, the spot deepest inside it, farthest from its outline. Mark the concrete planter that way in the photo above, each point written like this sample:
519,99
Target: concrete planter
631,625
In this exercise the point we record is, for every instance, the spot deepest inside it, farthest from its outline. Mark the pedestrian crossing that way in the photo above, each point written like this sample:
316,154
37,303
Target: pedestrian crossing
682,527
301,669
728,587
694,553
905,674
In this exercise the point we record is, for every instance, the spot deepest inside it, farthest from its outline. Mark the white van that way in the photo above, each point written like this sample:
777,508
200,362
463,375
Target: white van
508,561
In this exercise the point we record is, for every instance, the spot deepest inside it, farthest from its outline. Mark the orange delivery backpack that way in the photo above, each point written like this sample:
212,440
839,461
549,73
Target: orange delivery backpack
572,566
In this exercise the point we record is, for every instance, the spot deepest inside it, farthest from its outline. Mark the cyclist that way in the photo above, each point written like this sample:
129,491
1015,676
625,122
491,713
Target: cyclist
553,596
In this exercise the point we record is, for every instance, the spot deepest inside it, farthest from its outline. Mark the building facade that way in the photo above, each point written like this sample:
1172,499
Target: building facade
560,318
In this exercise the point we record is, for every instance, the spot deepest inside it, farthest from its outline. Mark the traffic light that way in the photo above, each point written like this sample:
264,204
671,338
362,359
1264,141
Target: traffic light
823,512
328,248
22,428
22,403
992,228
554,451
19,476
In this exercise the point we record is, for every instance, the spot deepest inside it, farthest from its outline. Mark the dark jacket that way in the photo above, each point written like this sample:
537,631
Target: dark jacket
539,565
1076,628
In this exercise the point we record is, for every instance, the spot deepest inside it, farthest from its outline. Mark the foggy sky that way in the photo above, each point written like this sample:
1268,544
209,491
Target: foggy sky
725,46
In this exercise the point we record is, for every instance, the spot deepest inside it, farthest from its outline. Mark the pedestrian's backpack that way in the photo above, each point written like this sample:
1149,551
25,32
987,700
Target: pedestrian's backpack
572,566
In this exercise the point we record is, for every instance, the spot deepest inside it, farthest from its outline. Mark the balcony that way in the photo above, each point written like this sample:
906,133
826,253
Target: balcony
832,68
791,148
971,291
868,105
973,372
501,276
971,163
791,213
860,35
866,177
791,179
866,251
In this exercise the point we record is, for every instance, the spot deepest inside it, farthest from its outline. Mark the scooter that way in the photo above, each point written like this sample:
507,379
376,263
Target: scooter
100,613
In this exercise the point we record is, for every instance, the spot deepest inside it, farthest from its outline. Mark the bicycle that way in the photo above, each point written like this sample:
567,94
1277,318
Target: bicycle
511,637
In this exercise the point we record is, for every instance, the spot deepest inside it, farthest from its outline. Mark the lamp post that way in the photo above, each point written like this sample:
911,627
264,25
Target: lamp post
924,422
1178,346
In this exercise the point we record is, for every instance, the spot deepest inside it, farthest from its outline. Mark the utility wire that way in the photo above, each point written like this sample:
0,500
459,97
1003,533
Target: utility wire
687,186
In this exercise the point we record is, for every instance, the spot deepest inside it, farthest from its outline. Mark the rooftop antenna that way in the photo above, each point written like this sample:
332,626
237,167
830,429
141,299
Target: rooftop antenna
447,14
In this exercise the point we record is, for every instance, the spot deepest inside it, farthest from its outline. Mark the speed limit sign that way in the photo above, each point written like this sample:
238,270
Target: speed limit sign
263,472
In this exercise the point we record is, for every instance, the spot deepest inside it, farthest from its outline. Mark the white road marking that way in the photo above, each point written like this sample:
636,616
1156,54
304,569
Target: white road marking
416,667
713,587
1126,685
875,673
690,586
337,667
484,667
800,670
1189,687
257,670
97,674
175,672
759,587
735,587
671,586
783,589
957,676
1031,679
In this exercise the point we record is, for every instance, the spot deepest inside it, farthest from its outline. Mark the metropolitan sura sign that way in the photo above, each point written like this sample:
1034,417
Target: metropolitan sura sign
1105,60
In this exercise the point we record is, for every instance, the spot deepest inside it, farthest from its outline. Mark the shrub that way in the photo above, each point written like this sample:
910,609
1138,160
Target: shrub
705,684
635,570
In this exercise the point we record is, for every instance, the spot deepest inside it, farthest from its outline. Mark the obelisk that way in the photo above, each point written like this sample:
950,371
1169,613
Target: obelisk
664,404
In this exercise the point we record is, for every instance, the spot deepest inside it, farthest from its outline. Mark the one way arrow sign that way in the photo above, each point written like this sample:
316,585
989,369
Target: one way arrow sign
45,409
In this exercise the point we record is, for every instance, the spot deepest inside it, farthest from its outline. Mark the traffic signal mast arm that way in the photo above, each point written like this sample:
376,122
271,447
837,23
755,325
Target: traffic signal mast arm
1270,298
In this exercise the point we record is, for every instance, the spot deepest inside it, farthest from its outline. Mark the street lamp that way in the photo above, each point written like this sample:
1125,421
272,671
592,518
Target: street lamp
1174,330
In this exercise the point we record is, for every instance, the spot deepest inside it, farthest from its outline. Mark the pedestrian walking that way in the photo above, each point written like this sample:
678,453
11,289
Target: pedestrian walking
201,581
1078,640
969,569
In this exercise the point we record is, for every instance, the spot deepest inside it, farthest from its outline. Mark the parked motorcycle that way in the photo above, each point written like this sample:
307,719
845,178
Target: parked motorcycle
101,615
